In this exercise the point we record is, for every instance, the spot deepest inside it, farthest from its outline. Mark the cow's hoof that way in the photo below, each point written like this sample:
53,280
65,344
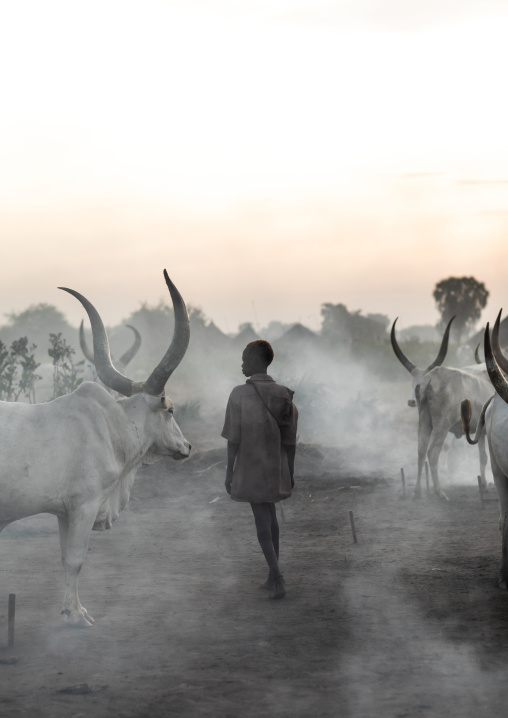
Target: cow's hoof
76,619
81,622
85,613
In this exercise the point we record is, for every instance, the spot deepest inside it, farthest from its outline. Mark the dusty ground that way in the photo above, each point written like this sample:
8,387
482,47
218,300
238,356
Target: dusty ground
407,622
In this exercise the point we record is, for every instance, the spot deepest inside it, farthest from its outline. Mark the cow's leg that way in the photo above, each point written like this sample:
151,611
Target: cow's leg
74,535
424,433
436,444
483,461
501,482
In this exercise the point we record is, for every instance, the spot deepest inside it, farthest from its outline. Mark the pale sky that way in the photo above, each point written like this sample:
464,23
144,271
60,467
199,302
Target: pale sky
273,155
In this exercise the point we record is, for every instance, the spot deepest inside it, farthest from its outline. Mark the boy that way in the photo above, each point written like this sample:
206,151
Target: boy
260,428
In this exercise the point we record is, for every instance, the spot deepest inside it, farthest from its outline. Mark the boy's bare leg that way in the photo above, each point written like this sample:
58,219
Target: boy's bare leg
274,529
267,530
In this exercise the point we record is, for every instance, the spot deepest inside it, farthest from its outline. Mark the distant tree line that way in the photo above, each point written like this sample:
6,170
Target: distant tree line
23,338
339,324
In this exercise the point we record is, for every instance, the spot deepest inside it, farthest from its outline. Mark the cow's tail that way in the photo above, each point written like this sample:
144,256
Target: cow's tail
465,414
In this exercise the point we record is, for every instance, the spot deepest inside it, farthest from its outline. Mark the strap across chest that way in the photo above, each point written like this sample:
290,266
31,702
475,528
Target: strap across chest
253,383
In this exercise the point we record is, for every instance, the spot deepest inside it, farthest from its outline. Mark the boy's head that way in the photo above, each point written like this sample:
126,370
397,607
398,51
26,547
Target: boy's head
256,357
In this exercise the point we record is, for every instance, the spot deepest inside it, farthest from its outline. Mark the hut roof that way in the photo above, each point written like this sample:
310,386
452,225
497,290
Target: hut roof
245,336
215,334
298,334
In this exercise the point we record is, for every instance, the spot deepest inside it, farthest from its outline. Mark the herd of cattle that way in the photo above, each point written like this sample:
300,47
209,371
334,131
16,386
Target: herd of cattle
457,400
76,457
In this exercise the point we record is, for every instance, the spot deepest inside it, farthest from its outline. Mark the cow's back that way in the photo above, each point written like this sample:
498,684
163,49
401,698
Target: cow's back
444,388
50,452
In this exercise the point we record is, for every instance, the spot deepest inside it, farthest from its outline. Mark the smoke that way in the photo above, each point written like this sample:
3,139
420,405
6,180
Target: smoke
193,596
350,399
439,674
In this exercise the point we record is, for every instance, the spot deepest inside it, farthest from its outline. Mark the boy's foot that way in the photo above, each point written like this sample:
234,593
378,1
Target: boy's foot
278,589
269,584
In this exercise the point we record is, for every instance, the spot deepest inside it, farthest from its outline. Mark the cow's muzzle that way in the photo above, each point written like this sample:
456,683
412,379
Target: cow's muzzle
183,453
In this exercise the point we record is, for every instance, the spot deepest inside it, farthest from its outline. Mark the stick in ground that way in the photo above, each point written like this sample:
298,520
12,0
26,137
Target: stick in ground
353,526
12,613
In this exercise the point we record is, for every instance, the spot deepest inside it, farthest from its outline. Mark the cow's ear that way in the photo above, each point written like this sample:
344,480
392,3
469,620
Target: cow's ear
165,404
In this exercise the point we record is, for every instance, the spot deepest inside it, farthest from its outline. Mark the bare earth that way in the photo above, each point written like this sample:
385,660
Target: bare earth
407,622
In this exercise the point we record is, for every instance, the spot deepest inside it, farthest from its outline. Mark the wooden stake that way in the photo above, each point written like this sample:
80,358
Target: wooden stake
403,483
352,526
12,613
427,477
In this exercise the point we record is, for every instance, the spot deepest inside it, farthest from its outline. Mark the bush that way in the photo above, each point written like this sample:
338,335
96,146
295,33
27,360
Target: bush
17,370
65,373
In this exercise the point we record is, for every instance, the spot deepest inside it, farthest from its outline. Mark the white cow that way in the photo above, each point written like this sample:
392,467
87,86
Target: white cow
76,457
437,392
494,422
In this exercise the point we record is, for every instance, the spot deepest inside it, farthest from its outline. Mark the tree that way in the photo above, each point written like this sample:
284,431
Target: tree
464,297
155,323
26,383
340,325
197,317
8,371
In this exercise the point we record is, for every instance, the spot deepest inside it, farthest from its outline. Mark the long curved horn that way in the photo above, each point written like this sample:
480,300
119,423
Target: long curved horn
477,355
102,357
399,353
82,342
496,377
124,359
496,346
157,380
442,349
131,353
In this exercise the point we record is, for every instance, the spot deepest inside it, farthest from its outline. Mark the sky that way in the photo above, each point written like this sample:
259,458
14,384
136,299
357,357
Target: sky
273,155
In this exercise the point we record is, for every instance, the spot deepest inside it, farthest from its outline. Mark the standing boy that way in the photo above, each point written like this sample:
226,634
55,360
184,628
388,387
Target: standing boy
260,427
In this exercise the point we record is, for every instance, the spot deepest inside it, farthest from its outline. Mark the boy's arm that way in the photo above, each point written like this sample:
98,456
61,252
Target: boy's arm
291,451
232,452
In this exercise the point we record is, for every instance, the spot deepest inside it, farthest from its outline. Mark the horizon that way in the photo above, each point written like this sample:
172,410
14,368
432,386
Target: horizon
256,326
